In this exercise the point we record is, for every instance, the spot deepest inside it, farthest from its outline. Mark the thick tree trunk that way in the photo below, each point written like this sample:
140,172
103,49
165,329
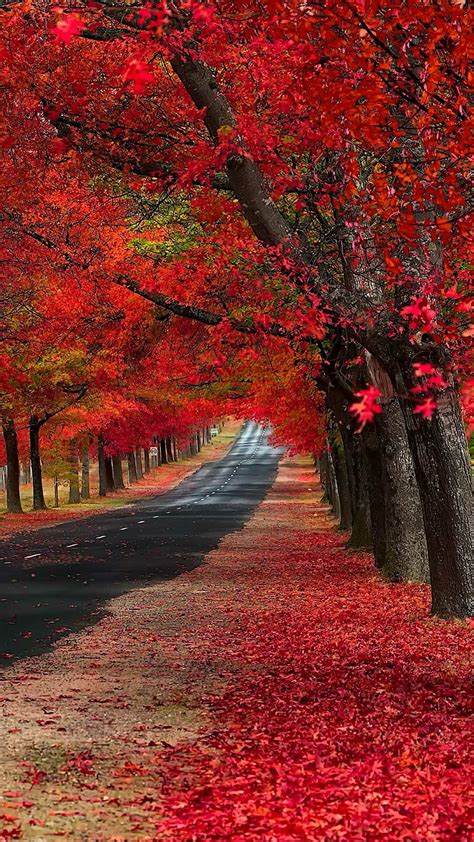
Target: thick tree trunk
406,551
102,468
358,484
85,472
443,472
175,450
74,492
146,456
109,474
373,463
138,461
132,467
118,471
169,449
340,467
39,503
163,451
13,466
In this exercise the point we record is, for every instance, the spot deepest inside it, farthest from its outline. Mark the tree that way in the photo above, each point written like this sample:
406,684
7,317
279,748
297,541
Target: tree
326,206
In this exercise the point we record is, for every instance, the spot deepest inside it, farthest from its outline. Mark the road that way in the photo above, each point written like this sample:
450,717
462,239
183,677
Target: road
57,580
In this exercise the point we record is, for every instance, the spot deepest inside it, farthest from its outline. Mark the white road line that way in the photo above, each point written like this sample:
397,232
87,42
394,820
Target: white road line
155,517
141,521
123,528
98,537
68,546
34,555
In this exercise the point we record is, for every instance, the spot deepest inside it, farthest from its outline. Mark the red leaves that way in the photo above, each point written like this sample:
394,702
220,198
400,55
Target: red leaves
67,28
367,408
426,407
420,314
138,74
346,710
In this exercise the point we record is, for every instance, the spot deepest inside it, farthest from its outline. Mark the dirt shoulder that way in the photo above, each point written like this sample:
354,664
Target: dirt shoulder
281,691
158,481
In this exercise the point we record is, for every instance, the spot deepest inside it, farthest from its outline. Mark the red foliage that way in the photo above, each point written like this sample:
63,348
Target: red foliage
346,710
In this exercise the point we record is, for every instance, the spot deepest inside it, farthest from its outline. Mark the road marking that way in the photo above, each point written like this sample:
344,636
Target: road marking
141,521
155,517
68,546
123,528
98,537
34,555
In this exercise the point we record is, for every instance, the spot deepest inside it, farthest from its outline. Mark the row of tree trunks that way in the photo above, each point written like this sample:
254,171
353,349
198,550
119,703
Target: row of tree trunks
110,468
409,484
378,496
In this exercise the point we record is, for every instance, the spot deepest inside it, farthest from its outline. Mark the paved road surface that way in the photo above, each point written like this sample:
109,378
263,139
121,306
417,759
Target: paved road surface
82,564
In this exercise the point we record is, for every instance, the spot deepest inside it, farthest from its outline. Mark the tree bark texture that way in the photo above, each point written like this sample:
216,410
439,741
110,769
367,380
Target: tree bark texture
406,551
118,471
102,469
39,503
132,467
74,491
85,472
13,466
443,471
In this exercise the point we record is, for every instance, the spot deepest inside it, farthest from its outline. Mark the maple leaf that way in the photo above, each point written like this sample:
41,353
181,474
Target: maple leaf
421,315
139,74
366,409
426,408
67,28
423,368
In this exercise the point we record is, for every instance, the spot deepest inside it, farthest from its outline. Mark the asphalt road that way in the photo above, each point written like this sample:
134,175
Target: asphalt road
80,565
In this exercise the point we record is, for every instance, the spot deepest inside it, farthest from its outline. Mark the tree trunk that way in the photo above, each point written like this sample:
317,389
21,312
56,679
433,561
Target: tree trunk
132,467
102,468
340,468
175,451
375,485
169,449
443,472
333,491
406,551
138,461
358,482
56,493
146,454
109,474
323,476
118,471
85,472
163,451
74,492
39,503
13,467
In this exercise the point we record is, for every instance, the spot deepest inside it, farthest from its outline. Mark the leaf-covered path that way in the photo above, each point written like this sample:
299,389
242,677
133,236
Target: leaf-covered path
280,692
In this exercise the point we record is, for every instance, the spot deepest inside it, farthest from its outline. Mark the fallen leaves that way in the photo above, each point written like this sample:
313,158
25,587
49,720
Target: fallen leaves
335,707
